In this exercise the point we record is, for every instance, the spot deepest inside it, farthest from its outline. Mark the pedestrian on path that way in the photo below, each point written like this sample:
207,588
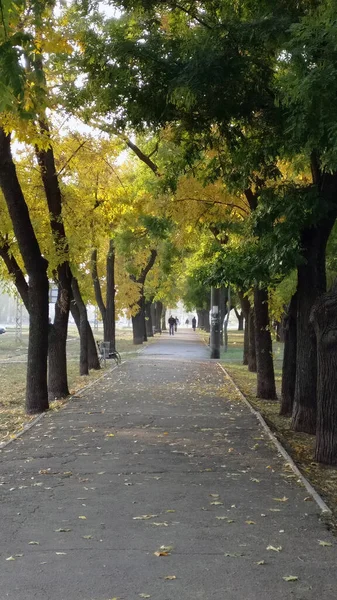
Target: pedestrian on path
171,323
194,323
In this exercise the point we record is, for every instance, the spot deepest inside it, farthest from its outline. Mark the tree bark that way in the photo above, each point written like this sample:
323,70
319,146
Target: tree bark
57,374
57,362
163,319
38,284
138,321
311,284
289,359
158,313
138,324
245,307
264,351
84,365
201,319
97,288
240,318
93,360
324,319
15,271
207,324
252,345
110,325
148,318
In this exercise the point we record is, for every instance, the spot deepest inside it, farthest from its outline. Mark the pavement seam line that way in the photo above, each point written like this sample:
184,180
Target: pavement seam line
44,414
310,489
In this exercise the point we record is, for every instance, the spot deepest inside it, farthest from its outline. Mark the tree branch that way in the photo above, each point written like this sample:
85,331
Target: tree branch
97,285
15,271
148,267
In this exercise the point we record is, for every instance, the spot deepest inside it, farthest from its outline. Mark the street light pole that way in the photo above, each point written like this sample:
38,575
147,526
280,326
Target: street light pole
215,322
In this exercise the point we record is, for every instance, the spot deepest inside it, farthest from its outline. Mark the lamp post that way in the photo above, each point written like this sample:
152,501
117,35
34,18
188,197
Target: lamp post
215,322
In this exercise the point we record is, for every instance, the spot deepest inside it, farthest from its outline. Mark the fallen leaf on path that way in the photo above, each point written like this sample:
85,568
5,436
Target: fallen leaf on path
215,495
322,543
170,577
170,511
87,537
290,578
261,562
110,435
250,522
216,503
144,595
284,499
275,548
82,517
164,524
163,551
144,517
61,553
65,529
33,543
10,558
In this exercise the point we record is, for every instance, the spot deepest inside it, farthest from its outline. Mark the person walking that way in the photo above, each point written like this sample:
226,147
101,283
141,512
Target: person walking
194,323
171,323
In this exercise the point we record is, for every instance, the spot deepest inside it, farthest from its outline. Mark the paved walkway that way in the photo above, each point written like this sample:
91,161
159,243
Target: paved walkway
154,459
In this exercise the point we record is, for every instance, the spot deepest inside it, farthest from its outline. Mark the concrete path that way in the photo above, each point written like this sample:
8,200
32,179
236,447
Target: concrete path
153,484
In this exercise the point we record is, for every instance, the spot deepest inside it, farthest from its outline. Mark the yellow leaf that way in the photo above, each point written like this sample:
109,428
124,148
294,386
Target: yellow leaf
82,517
290,578
250,522
276,549
170,577
216,503
322,543
284,499
33,543
144,517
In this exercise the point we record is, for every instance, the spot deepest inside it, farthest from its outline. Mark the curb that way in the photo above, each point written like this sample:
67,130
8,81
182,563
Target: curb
325,510
45,414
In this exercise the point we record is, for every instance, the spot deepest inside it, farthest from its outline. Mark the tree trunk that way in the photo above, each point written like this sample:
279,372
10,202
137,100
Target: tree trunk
84,368
97,290
252,346
245,307
38,285
289,359
57,374
57,361
138,326
36,386
264,351
93,360
148,318
240,321
158,314
110,314
324,319
201,319
311,284
163,319
207,324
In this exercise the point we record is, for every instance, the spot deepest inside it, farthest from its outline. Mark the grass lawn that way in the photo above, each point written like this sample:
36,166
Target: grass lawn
13,357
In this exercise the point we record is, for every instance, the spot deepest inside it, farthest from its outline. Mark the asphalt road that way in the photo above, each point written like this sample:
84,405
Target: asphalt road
154,484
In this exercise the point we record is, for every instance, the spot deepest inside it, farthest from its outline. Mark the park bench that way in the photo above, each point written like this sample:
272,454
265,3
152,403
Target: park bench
105,353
